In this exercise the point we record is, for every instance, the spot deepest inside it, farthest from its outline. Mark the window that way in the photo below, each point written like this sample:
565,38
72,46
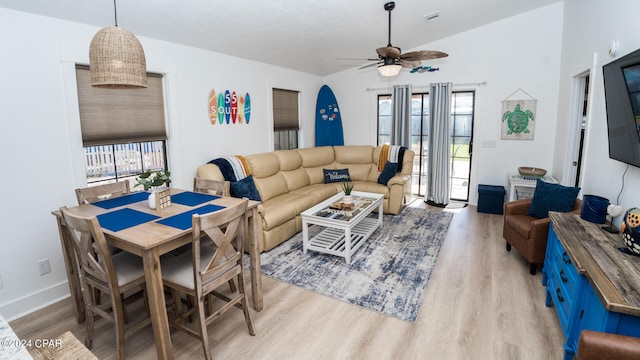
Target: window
462,109
285,119
123,131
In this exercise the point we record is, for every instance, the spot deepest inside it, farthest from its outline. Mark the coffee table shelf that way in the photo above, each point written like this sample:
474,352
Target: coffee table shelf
343,235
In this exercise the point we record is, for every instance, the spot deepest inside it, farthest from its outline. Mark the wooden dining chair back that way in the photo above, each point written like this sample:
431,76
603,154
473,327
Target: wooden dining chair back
113,275
207,268
93,194
215,187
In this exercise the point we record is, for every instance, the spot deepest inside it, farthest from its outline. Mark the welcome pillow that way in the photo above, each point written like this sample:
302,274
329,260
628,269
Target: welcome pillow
552,197
336,175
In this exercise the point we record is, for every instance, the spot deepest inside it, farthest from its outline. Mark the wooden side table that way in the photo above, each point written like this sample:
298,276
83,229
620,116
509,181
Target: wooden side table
526,185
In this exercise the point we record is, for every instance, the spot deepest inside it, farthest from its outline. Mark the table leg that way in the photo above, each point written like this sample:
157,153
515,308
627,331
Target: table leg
305,236
347,245
71,265
254,258
157,306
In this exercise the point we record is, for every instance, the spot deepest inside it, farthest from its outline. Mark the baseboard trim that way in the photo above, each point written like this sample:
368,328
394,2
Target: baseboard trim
35,301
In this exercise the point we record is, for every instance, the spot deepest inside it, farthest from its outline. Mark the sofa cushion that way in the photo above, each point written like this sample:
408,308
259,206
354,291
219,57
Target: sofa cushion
336,175
552,197
263,165
245,188
289,159
272,186
318,157
358,154
277,211
371,187
320,192
387,173
296,179
358,172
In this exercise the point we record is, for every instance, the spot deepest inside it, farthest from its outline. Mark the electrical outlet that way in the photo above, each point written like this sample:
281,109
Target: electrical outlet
44,266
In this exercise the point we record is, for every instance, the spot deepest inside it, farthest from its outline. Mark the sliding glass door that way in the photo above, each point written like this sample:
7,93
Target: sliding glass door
462,107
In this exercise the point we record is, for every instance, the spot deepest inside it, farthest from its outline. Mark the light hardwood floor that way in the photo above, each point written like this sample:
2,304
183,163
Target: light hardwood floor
481,303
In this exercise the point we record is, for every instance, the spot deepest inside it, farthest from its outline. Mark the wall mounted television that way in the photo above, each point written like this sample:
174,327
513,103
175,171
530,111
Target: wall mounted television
622,97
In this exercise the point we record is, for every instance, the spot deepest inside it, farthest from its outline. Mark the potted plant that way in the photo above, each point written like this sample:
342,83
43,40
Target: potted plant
152,180
347,187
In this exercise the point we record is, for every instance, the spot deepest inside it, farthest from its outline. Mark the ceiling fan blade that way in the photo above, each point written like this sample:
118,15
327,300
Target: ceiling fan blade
356,59
409,64
389,51
422,55
377,63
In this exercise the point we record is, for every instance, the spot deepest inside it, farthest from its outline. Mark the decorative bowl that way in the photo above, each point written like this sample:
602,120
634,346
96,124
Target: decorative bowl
531,171
631,230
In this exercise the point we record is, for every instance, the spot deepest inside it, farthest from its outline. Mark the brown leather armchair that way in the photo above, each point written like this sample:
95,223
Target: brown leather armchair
526,233
594,345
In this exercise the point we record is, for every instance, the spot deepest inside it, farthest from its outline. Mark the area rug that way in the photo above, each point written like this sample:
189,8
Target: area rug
388,274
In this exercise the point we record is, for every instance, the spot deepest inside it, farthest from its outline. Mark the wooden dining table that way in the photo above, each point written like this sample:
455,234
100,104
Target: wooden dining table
129,224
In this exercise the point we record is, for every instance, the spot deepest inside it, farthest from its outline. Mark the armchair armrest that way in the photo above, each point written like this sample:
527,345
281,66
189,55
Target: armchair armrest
598,345
517,207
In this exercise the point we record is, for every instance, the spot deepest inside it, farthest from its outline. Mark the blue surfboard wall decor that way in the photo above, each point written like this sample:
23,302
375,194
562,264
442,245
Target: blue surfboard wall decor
328,119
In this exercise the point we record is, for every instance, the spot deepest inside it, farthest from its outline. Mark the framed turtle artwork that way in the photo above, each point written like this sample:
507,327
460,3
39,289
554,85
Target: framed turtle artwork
518,119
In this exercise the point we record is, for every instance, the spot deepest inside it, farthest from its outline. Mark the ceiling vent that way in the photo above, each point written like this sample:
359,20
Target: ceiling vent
432,16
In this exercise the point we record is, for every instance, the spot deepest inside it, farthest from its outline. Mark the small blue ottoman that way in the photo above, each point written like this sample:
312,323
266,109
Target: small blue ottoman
490,199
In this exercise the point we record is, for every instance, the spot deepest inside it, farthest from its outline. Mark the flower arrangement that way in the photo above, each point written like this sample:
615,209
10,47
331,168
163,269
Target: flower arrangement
150,179
347,187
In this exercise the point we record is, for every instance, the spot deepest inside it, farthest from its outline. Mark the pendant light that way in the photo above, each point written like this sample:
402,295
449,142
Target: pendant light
116,58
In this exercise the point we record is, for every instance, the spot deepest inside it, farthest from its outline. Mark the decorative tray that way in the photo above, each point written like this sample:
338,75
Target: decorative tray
531,171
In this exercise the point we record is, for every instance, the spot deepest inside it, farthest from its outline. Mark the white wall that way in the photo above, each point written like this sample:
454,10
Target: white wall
588,30
40,144
522,52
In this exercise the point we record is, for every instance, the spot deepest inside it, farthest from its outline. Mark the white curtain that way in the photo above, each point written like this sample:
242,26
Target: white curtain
438,162
401,116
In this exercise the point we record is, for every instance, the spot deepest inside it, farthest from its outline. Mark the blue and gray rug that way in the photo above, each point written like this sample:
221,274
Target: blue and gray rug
388,274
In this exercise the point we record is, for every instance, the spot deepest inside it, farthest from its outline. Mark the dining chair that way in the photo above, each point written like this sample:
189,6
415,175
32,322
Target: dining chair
202,271
214,187
93,194
111,274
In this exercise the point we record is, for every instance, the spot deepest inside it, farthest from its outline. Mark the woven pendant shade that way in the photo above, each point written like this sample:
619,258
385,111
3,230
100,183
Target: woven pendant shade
116,60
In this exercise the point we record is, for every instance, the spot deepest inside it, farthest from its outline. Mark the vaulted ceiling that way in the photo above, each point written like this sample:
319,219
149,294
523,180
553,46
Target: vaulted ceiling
311,36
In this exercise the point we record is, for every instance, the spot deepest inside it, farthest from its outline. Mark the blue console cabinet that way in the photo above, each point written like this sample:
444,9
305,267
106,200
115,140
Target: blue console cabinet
590,283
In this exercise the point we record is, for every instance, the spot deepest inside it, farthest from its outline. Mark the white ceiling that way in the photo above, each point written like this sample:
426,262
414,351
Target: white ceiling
304,35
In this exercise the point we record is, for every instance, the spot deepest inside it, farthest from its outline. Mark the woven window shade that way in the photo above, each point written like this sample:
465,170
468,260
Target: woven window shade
285,110
110,116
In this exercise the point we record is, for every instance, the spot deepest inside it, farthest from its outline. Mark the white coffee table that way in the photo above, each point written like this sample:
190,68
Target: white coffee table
345,231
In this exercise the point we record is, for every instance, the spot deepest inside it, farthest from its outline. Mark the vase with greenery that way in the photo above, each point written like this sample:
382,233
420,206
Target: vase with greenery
152,180
347,187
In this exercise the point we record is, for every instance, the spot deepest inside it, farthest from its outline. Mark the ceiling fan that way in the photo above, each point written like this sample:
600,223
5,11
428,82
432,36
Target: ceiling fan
391,59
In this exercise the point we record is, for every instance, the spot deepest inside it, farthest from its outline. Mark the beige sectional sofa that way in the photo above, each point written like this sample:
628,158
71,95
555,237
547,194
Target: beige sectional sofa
291,181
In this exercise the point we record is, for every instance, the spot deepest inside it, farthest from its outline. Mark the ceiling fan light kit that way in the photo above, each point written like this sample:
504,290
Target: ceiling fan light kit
389,70
391,59
116,59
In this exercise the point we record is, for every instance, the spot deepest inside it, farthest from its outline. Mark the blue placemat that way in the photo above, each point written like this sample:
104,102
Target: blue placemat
124,218
190,198
183,221
122,200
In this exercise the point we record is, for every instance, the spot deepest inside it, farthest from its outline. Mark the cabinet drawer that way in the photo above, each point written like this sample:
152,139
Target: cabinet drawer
566,271
560,301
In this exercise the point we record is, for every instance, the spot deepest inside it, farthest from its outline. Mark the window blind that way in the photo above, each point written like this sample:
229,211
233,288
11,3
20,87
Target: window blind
285,110
109,116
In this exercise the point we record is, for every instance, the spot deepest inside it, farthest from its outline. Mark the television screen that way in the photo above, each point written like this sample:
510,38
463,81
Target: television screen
622,97
632,79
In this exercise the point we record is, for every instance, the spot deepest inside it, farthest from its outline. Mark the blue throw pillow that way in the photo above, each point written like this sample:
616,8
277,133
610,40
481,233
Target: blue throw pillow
336,175
552,197
245,188
387,173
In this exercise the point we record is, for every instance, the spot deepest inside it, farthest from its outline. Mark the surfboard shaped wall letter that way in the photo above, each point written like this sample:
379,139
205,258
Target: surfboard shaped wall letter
229,107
